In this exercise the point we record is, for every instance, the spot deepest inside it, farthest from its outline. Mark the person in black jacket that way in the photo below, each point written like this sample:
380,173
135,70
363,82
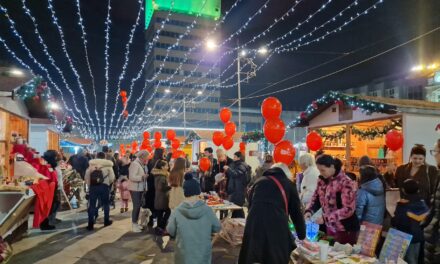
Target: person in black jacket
236,174
267,237
151,192
410,212
221,181
207,180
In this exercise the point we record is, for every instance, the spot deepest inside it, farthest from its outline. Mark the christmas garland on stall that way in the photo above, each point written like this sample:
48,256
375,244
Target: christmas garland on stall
370,133
332,97
256,136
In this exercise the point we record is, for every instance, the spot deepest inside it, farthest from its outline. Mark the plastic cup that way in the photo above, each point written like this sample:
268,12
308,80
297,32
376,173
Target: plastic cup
324,247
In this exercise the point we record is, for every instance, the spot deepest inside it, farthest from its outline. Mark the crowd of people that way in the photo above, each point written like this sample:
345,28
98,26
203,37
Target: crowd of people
167,192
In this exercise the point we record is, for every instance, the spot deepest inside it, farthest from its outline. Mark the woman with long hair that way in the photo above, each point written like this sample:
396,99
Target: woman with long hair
176,182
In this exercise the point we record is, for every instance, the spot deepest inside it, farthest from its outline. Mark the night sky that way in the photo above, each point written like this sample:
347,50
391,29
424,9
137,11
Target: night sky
391,23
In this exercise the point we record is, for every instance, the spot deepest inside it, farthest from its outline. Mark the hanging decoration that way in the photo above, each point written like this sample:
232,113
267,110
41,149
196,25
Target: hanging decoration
271,108
225,115
217,138
171,134
157,135
134,146
394,140
124,99
243,148
175,144
274,130
228,142
204,164
314,141
146,135
332,97
284,152
157,144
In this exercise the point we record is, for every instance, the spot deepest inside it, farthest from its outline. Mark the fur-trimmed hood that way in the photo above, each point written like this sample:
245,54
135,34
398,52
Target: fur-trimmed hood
101,163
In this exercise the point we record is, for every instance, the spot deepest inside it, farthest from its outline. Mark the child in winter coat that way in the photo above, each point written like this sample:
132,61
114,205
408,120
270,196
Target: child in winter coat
370,203
192,223
125,193
409,213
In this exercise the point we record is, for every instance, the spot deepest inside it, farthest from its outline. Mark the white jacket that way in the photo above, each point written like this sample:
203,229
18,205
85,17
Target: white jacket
107,170
309,184
137,177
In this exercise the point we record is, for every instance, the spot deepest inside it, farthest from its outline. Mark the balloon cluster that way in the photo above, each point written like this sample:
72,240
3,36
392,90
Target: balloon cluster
274,130
146,145
124,99
175,144
225,139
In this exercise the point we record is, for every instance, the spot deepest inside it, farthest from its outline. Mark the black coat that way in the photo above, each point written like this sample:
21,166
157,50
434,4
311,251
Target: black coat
432,231
207,180
267,238
237,182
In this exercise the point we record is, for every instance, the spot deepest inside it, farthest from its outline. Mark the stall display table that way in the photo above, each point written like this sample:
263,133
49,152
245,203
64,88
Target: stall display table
334,258
226,206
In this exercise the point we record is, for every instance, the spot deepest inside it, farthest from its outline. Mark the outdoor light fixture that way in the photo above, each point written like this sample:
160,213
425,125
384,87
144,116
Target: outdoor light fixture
54,106
149,108
243,53
199,92
418,68
262,50
16,72
167,91
210,44
173,110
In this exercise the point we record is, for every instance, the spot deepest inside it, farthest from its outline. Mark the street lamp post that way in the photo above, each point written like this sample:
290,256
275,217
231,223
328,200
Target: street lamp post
239,91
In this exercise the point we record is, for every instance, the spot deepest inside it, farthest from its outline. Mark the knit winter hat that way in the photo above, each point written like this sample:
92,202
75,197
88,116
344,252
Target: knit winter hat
190,187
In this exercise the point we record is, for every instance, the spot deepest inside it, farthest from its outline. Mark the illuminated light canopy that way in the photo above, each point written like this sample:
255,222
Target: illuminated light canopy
417,68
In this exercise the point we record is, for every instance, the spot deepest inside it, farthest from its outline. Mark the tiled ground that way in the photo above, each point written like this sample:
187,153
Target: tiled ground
72,243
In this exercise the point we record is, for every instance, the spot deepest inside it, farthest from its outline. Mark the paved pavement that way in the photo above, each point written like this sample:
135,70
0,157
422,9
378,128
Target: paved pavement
72,243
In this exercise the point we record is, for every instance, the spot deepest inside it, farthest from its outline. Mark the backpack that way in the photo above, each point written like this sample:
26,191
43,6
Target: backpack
97,176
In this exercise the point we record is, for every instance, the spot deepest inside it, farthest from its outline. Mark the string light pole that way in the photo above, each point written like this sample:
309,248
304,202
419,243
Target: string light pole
241,56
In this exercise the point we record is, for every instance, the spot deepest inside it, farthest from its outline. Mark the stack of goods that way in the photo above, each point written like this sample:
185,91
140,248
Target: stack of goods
233,230
214,201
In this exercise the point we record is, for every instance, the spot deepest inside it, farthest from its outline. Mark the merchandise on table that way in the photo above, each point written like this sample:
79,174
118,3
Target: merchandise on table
369,238
232,230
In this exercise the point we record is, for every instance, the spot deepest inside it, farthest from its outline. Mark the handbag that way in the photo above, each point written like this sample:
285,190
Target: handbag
283,194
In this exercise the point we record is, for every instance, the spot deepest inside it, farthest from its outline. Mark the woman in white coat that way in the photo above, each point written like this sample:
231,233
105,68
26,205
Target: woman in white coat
310,177
137,185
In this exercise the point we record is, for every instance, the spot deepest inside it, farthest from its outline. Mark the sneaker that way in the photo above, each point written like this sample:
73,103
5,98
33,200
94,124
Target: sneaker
126,209
109,223
135,228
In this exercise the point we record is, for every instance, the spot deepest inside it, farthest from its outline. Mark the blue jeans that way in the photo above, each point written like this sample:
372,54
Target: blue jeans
99,192
412,254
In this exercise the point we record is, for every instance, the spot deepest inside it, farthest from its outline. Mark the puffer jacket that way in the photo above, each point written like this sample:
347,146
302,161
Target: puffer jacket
138,177
432,231
370,202
337,198
161,199
107,170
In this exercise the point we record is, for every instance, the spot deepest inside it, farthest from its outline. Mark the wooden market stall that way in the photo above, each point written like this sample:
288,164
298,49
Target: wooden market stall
353,126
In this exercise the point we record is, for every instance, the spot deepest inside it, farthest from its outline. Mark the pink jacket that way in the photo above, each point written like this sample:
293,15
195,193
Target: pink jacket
337,198
123,189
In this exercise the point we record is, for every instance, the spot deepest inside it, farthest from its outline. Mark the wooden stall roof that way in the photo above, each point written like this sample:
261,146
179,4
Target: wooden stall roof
403,103
80,141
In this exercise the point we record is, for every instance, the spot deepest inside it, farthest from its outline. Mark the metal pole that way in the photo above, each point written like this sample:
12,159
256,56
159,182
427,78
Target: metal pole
239,91
184,118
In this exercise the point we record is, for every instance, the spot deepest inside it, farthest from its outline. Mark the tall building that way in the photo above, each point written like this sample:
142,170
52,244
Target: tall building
173,82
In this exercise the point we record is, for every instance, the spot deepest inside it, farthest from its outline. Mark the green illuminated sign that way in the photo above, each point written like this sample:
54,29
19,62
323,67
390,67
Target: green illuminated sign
205,8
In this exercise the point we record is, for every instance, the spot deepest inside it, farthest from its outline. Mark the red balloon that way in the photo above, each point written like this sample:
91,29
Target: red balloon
157,135
157,144
150,149
146,135
314,141
175,144
271,108
274,130
228,143
204,164
230,128
178,154
284,152
171,134
394,140
242,146
217,138
123,93
124,100
225,115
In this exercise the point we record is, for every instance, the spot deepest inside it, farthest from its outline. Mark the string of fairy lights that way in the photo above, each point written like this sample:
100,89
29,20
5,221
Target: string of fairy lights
86,52
137,121
173,110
